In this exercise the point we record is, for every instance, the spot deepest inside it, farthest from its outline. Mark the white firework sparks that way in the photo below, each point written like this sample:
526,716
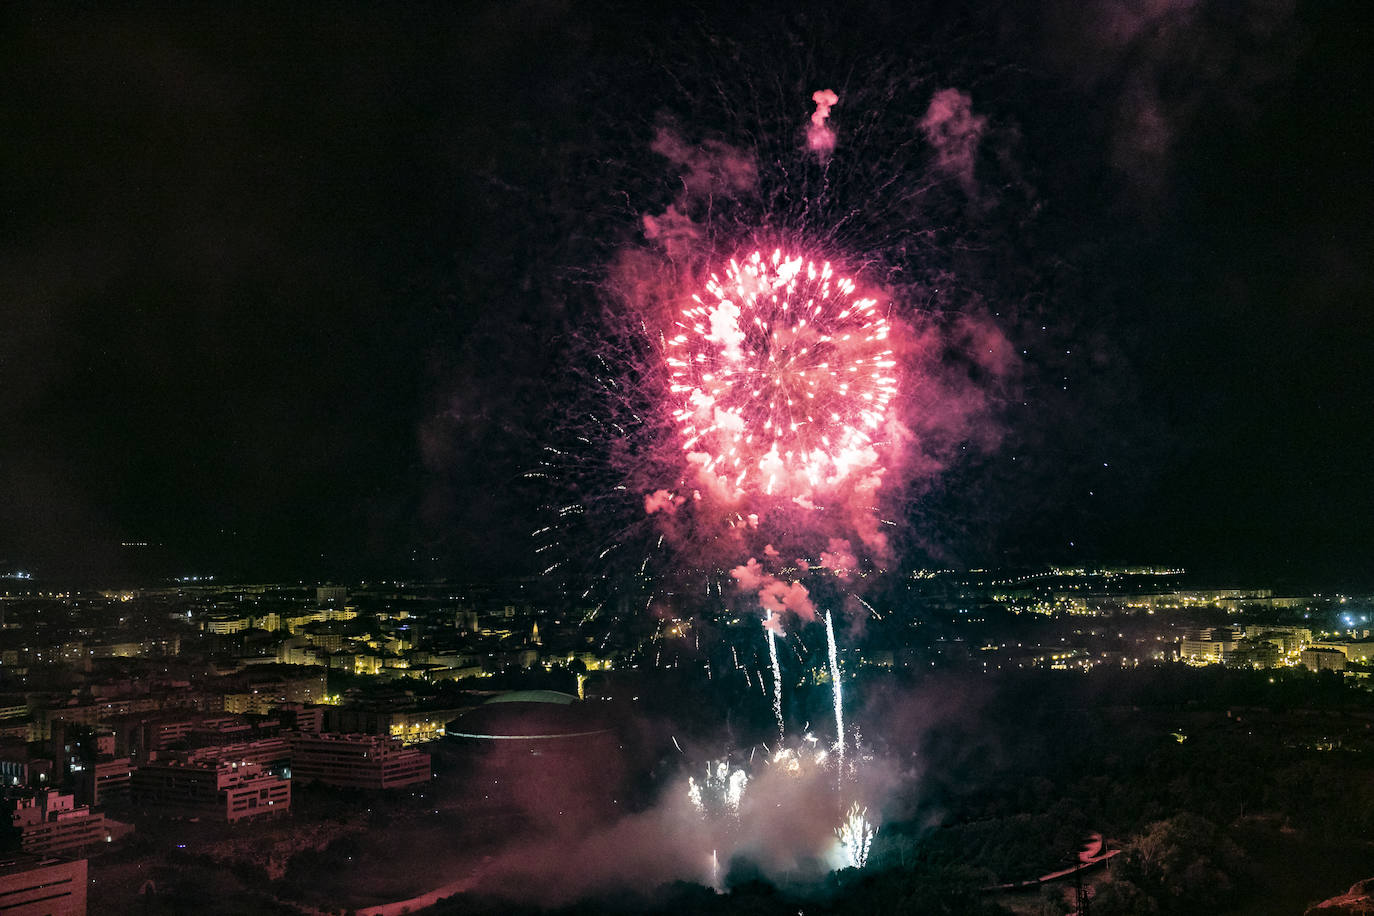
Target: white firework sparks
777,678
720,793
835,689
808,756
855,834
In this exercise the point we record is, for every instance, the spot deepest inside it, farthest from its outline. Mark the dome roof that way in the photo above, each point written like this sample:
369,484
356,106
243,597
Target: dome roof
534,696
511,719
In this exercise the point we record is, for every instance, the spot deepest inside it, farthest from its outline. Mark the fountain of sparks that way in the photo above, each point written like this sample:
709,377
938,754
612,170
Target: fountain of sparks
855,834
720,792
717,799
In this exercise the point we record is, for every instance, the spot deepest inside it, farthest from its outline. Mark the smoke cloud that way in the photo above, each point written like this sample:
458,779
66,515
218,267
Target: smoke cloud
784,827
840,558
661,501
819,135
708,167
951,127
1134,50
775,596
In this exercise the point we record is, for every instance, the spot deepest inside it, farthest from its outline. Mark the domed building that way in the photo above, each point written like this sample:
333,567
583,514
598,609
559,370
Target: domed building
536,721
541,751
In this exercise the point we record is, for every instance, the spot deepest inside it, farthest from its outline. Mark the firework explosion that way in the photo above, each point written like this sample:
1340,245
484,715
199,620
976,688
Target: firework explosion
785,377
768,374
783,382
779,352
780,378
777,379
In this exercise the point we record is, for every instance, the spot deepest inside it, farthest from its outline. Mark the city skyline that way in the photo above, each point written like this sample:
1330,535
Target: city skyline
302,742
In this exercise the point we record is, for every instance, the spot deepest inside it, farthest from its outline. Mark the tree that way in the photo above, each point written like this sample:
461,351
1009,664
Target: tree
1186,863
1119,897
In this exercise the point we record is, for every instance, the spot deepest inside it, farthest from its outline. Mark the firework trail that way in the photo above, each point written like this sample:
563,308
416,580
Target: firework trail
777,678
835,690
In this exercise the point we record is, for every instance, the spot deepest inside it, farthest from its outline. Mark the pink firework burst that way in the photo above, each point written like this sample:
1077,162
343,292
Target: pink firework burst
781,377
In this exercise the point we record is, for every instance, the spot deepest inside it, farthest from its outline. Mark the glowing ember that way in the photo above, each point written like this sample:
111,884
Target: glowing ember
783,375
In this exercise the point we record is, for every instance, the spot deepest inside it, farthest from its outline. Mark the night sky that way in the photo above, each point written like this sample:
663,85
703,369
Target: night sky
294,292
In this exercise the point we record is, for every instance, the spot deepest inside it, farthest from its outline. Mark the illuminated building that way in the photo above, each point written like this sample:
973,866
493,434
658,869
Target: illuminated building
340,612
146,739
356,662
270,621
147,647
20,765
272,754
34,886
1354,651
50,821
268,686
47,721
331,594
1323,659
302,717
298,652
408,724
539,747
214,789
252,703
1287,639
295,621
326,637
358,761
226,624
106,780
1207,645
1360,651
